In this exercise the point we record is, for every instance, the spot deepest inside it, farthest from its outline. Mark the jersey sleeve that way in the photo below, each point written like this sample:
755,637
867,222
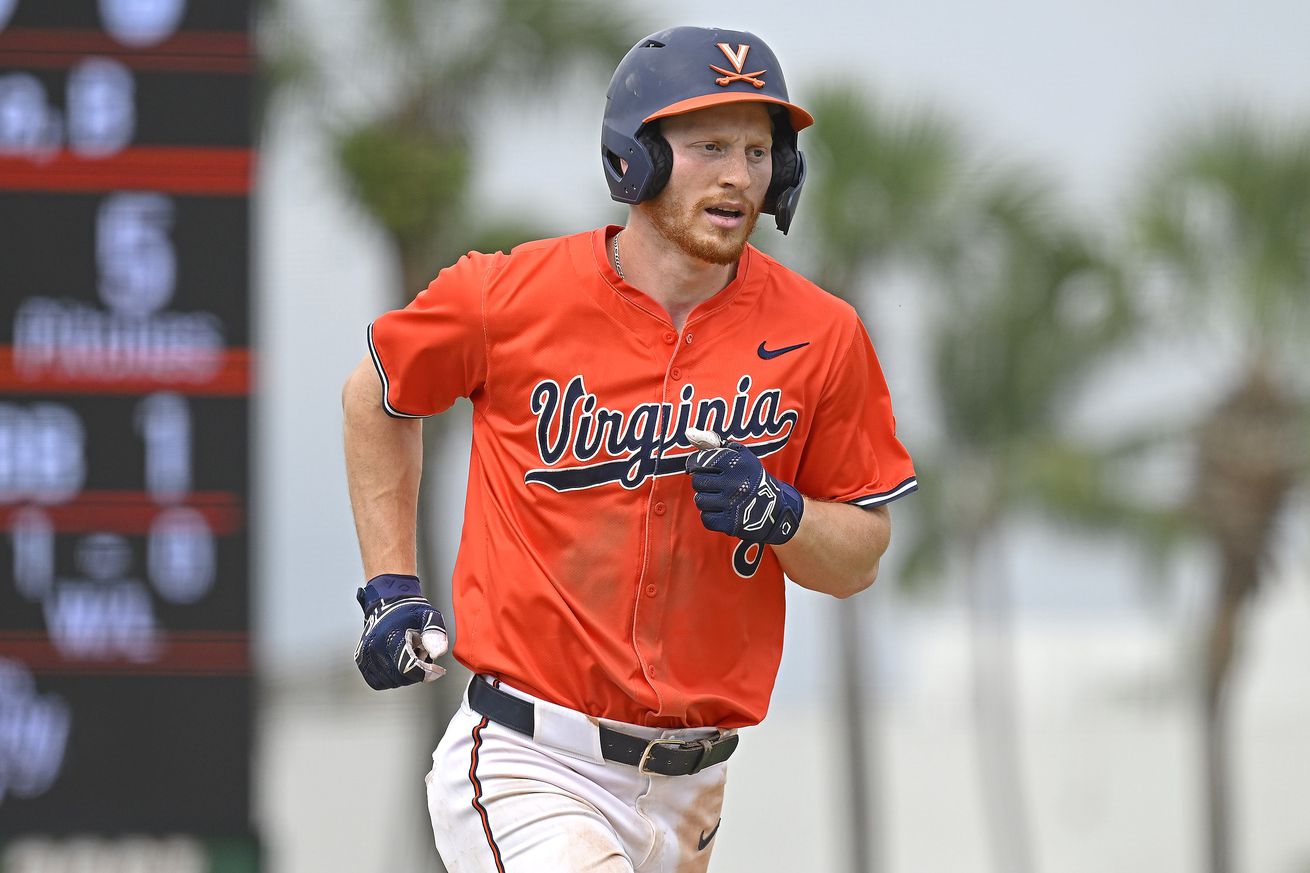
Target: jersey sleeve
434,350
852,454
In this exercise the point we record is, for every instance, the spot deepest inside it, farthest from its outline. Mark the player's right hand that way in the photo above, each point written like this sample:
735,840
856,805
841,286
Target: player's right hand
403,633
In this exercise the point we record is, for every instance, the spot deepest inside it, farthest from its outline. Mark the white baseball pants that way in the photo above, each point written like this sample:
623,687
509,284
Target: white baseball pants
504,802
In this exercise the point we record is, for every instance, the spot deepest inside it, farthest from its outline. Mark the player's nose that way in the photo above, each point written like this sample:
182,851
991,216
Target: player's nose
735,171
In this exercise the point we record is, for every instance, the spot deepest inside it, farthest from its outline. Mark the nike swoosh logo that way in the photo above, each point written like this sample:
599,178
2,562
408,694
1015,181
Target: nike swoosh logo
704,840
766,354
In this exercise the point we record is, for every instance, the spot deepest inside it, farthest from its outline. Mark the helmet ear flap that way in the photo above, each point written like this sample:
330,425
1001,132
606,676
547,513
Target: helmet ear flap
788,174
784,208
661,159
785,172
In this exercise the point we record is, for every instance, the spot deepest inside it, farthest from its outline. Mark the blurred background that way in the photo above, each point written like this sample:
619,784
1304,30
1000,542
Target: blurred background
1079,234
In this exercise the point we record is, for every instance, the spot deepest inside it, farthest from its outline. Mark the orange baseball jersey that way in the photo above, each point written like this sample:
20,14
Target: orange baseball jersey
584,574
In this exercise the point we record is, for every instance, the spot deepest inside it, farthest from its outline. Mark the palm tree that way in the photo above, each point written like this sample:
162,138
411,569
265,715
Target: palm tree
880,192
1225,222
401,120
1032,305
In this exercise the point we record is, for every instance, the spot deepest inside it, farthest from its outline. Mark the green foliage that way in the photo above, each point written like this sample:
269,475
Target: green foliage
1083,487
882,184
1032,305
476,50
1025,304
1226,215
556,35
1226,212
1224,226
405,179
1028,305
405,147
502,236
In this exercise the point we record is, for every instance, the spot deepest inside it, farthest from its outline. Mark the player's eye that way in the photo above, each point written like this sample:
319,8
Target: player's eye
757,153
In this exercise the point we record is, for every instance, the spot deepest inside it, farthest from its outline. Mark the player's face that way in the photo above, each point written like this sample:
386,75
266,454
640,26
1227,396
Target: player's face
722,165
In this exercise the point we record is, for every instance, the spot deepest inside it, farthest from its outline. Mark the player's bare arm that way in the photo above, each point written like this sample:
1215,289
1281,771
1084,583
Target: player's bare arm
837,548
403,635
384,460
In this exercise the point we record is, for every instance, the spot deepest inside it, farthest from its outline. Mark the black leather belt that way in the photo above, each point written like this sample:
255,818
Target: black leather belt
665,757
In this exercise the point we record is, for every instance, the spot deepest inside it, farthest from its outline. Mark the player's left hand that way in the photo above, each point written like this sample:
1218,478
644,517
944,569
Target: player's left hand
738,497
403,634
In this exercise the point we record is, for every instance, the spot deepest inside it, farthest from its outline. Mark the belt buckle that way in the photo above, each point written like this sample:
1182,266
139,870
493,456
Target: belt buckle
704,744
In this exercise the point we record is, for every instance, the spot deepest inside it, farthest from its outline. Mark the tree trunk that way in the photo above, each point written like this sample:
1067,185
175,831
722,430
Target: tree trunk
995,701
860,709
1237,579
1249,453
860,716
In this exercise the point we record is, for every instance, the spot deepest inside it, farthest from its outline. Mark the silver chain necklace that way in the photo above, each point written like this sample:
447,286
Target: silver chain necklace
618,267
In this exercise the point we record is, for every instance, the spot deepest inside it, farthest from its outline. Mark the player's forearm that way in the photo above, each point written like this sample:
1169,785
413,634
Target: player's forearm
384,460
837,547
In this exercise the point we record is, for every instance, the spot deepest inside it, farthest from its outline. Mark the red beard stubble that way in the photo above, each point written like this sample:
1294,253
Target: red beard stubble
674,220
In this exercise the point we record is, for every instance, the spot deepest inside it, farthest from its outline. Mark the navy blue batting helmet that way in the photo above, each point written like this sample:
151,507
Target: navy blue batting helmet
684,69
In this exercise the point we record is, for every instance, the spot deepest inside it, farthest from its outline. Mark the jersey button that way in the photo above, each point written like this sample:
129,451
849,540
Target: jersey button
670,337
651,591
650,671
688,339
676,373
659,508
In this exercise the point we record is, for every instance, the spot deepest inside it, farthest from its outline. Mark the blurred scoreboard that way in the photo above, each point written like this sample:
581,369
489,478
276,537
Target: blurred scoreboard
125,687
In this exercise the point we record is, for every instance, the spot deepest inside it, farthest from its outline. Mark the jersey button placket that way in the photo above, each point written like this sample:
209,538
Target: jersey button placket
656,578
651,606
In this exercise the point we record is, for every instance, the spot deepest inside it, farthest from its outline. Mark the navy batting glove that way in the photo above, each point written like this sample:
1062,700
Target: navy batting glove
403,634
738,497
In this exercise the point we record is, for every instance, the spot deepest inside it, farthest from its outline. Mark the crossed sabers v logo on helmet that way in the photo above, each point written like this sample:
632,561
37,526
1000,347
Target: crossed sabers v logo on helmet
738,60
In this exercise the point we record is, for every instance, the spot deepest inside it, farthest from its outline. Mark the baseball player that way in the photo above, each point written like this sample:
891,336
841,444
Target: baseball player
665,422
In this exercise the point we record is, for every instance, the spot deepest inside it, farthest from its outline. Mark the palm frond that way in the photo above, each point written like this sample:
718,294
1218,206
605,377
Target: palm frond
882,183
1032,304
1226,214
